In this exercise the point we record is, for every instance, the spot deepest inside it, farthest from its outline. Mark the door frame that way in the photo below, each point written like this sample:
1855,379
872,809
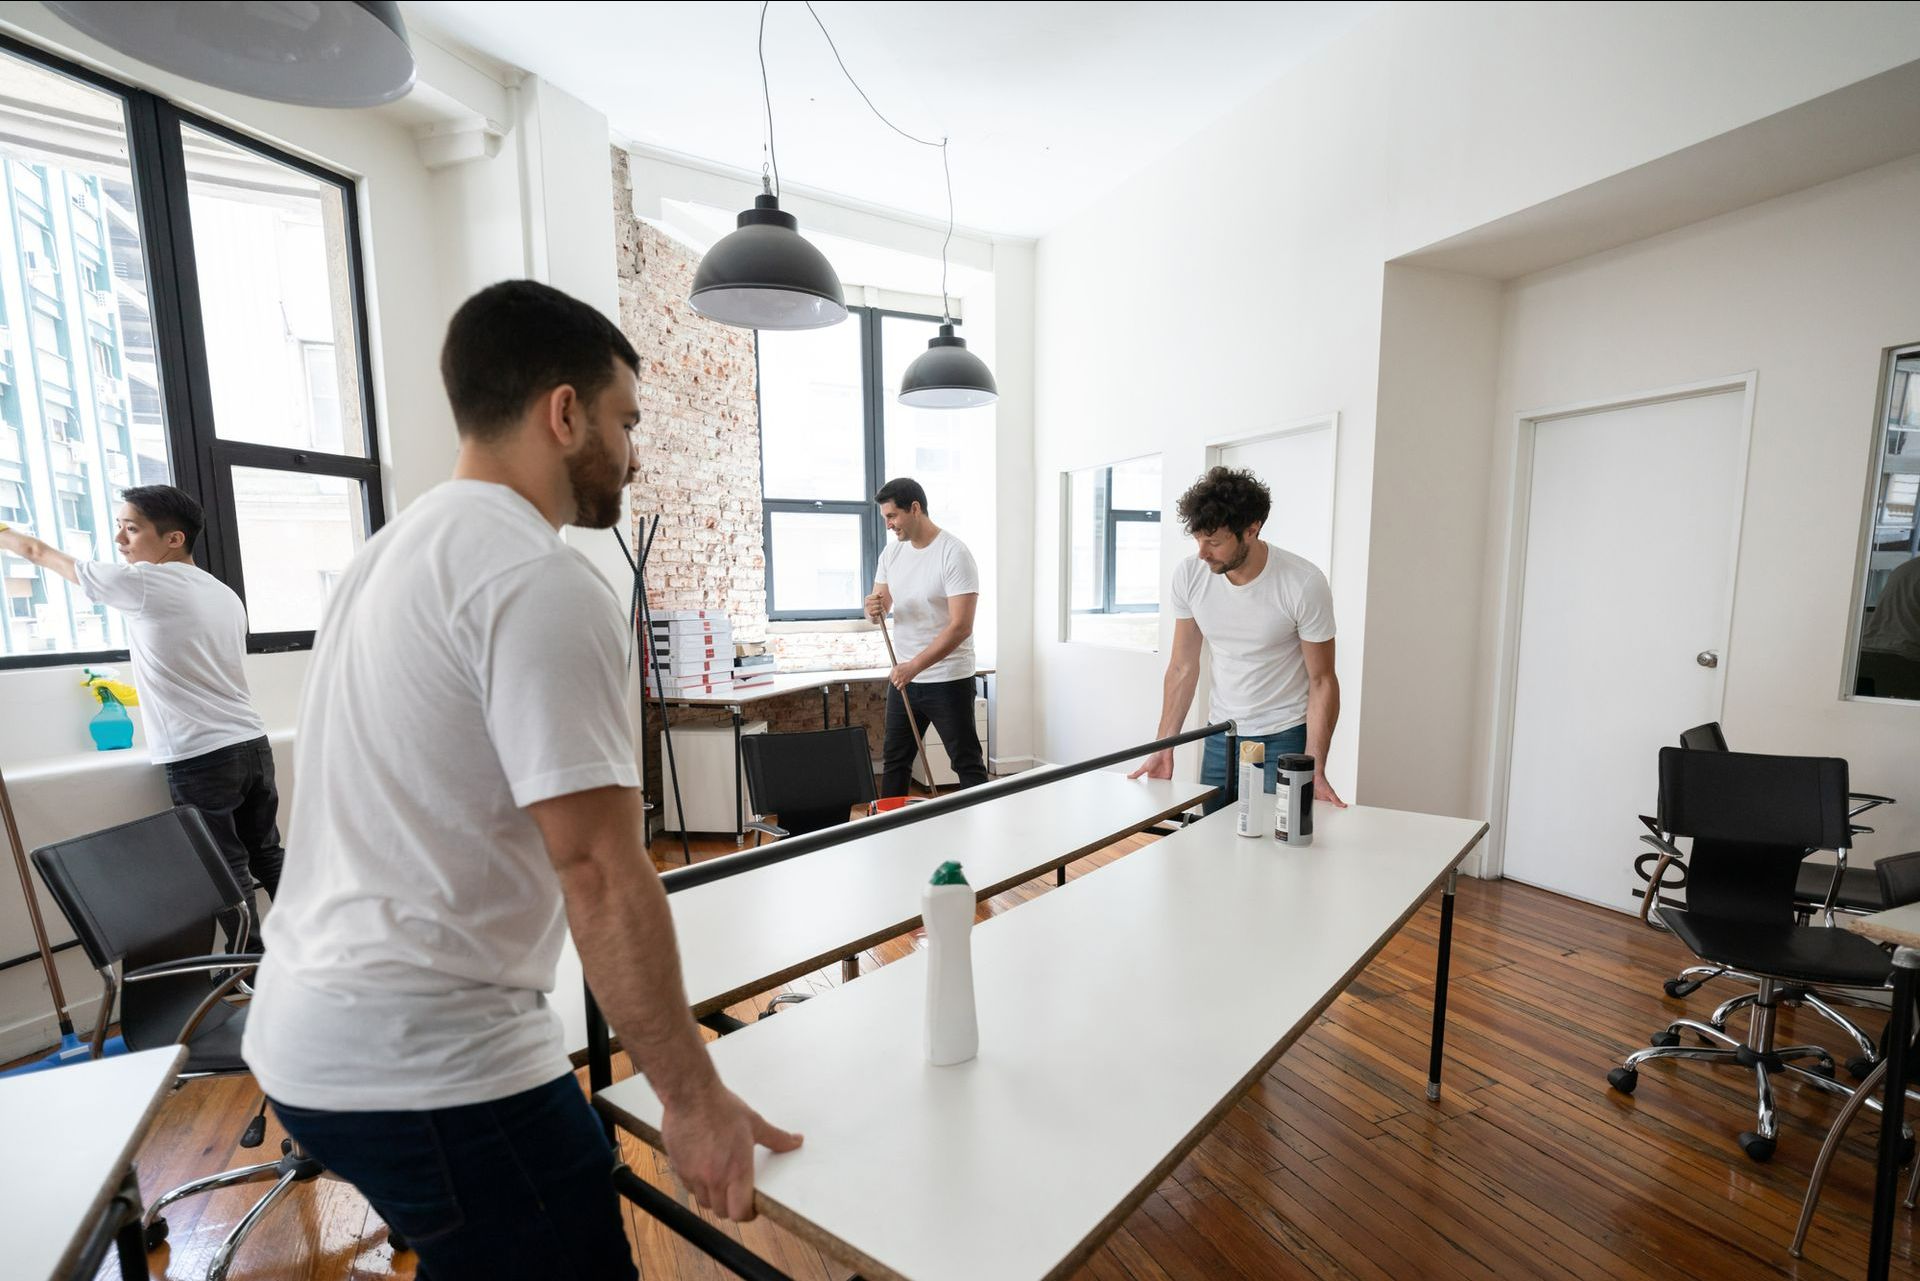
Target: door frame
1514,567
1329,422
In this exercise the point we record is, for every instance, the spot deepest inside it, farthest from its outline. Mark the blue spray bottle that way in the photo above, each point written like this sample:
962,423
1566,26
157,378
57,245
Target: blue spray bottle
111,727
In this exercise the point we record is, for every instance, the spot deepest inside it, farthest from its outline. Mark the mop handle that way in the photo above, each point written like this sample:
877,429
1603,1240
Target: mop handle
33,907
908,704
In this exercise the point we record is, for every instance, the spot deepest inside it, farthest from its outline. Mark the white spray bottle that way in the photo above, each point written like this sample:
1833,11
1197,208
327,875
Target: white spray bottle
953,1034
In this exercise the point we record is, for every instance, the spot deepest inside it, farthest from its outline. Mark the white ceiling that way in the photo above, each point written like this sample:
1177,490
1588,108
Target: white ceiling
1049,105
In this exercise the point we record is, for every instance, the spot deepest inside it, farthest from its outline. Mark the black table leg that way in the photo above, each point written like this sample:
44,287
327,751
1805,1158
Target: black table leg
1906,962
846,702
1440,987
739,798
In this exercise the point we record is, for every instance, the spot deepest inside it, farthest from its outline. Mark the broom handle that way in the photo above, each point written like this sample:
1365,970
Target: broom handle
907,703
33,907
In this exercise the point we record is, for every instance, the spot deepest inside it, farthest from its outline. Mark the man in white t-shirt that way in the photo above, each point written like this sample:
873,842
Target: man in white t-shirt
1267,616
187,638
467,795
928,580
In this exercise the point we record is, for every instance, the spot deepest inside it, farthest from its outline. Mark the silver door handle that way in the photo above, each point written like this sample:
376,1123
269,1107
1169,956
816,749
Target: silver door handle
1707,658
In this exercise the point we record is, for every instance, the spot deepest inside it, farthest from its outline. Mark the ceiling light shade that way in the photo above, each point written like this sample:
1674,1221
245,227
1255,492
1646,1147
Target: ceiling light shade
298,51
947,376
763,275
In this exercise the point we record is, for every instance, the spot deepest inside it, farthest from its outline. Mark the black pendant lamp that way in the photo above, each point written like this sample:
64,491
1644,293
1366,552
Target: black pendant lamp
763,275
310,54
947,376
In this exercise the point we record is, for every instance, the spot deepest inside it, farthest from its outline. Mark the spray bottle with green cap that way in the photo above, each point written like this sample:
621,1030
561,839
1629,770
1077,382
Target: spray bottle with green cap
946,905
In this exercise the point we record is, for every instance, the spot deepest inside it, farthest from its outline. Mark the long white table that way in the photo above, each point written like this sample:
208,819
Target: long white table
1120,1017
753,931
69,1138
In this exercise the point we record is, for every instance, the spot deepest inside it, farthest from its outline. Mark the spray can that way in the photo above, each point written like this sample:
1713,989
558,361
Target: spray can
946,904
1253,782
1293,805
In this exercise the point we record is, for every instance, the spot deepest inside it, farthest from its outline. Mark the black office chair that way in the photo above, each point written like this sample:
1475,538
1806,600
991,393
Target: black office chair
811,780
146,896
1752,820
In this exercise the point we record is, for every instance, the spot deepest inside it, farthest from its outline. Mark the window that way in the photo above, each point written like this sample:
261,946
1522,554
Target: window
1887,656
1112,587
210,334
831,433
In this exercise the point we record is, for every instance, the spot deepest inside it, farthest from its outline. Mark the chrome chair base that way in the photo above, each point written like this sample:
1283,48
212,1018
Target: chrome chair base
294,1166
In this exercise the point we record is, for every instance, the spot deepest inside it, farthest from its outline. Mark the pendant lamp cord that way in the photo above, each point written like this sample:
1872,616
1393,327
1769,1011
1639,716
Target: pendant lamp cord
946,304
766,102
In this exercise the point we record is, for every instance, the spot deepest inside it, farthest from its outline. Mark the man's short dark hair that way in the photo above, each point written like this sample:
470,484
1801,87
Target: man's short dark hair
903,492
520,339
1225,498
168,509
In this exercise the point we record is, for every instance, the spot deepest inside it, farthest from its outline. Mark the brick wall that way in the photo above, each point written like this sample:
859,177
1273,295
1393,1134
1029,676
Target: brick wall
700,473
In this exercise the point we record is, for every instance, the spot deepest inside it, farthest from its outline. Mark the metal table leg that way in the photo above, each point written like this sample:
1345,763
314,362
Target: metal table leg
1906,962
846,702
739,794
1440,987
826,716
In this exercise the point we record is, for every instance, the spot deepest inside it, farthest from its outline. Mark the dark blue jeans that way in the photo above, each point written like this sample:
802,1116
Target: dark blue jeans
517,1188
1213,763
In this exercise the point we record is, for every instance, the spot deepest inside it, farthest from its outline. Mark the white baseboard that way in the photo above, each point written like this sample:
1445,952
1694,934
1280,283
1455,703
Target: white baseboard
1013,764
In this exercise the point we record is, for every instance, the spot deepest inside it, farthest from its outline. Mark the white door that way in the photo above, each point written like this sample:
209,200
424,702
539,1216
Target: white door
1626,598
1298,468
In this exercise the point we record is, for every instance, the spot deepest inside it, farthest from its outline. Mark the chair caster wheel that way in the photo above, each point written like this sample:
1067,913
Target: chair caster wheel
1674,988
286,1147
1664,1039
1624,1079
1860,1068
398,1242
155,1233
1757,1147
1824,1069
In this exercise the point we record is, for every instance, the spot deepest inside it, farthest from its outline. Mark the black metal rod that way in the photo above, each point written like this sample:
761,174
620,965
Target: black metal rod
1440,989
703,1236
645,625
1232,789
719,869
739,784
1892,1114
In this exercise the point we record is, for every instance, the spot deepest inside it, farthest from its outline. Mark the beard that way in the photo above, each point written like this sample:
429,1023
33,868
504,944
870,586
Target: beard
597,476
1239,559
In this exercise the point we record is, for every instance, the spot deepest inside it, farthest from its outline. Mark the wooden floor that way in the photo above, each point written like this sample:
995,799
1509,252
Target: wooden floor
1335,1165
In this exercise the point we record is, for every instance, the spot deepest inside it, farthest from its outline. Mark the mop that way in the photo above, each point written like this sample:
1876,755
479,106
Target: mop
71,1049
907,703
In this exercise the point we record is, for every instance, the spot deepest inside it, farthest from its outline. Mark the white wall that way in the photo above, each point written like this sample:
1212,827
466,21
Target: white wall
1807,290
1238,282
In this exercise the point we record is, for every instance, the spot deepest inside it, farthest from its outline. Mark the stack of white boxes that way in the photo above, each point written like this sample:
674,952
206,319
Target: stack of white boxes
693,649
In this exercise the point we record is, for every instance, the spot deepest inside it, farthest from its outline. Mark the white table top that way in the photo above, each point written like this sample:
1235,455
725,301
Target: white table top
70,1134
749,932
1899,926
1120,1016
784,683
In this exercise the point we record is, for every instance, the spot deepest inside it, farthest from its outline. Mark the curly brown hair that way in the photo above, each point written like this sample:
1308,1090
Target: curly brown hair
1224,498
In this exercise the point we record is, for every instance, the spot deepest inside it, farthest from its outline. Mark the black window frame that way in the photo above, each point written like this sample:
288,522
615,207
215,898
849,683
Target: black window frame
201,462
873,530
1109,519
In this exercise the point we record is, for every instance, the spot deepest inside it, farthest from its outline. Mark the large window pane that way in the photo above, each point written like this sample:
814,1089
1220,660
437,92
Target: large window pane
816,560
80,406
1136,564
274,268
1112,589
297,533
1136,485
812,426
950,452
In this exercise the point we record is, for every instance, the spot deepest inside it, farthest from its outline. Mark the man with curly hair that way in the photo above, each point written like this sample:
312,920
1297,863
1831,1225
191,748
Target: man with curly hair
1267,616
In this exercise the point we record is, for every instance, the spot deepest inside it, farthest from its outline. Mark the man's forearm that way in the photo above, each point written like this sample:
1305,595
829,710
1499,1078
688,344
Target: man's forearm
617,910
35,552
1323,712
1177,699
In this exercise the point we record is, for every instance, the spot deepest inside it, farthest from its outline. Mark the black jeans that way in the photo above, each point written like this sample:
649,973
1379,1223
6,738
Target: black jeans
233,787
948,707
516,1188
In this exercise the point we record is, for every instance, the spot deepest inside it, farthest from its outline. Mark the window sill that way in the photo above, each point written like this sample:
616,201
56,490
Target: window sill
803,626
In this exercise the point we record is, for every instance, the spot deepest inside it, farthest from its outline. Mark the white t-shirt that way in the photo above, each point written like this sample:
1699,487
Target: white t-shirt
1259,673
470,665
921,579
187,634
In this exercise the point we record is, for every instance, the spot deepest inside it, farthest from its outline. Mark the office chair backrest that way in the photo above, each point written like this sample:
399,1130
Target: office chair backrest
811,780
141,893
1753,819
1704,738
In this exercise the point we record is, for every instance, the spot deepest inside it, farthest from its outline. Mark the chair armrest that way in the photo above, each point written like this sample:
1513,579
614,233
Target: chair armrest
195,965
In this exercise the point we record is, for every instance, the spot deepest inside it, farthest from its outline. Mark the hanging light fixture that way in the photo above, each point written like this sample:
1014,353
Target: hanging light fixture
313,55
763,274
